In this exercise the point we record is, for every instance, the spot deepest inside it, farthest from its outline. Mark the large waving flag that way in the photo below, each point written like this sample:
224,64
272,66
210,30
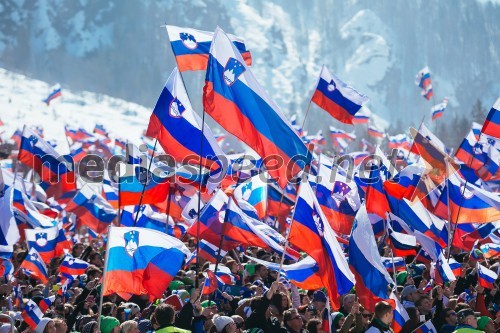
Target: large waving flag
249,231
467,202
179,130
423,80
44,241
254,192
311,232
438,109
92,209
372,279
234,98
491,125
142,261
52,167
486,277
340,100
490,250
34,266
191,47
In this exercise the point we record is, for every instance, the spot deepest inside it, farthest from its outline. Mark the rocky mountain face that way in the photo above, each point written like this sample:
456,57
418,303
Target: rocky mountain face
119,48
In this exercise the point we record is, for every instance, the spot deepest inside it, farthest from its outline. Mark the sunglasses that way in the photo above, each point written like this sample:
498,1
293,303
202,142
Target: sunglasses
367,315
452,314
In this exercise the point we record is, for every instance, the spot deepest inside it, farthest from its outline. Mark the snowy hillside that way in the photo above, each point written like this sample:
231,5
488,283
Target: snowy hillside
21,103
118,48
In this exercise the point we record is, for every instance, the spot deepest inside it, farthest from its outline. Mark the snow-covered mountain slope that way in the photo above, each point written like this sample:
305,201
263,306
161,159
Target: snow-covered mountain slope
21,104
118,48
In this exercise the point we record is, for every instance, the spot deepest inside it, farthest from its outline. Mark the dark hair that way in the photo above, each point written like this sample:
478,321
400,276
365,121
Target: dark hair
92,270
382,308
312,325
288,314
107,309
164,315
419,302
413,313
276,301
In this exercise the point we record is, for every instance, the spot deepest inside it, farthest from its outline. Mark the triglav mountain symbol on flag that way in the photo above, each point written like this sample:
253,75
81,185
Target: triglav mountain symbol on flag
331,86
176,108
318,222
188,40
41,238
131,242
232,71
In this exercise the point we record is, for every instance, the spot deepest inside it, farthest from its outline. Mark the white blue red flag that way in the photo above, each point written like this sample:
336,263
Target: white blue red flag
34,266
44,241
311,232
372,279
179,130
423,80
486,277
340,100
438,109
254,192
234,98
191,47
491,126
400,315
9,232
92,209
31,314
142,261
55,92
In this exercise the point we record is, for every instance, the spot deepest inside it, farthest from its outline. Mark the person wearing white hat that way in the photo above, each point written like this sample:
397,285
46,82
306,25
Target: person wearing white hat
46,325
224,324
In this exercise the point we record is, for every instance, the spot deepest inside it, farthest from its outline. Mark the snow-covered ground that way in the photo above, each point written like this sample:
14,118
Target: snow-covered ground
21,104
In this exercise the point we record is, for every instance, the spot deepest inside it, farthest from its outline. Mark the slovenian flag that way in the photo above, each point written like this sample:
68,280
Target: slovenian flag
92,209
179,130
44,241
486,277
54,93
490,250
253,192
233,97
191,47
372,279
73,266
400,315
372,131
438,109
340,100
141,261
423,80
34,266
46,303
32,315
311,232
491,125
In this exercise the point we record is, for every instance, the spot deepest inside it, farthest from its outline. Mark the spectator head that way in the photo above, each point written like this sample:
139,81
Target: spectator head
163,315
261,271
384,312
292,320
90,327
486,324
366,316
46,325
60,325
413,313
410,293
224,324
239,321
314,326
109,309
424,305
348,302
319,300
95,258
467,317
110,325
450,317
337,320
145,326
93,272
129,326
